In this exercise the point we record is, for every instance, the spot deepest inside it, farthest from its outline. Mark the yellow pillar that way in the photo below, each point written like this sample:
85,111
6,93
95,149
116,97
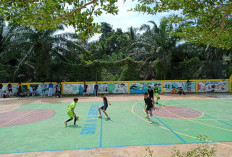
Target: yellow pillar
62,88
196,89
162,86
28,86
128,87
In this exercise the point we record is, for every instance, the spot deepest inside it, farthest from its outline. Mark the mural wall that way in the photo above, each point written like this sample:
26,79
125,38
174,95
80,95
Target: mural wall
168,86
102,88
120,88
141,87
113,88
213,86
14,89
77,88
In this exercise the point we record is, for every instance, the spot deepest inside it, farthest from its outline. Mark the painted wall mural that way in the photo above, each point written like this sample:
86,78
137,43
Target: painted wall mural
141,87
113,87
14,89
168,86
213,86
102,88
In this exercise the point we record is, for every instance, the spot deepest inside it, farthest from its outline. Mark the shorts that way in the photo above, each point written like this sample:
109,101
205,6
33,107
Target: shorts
10,90
70,114
104,107
157,95
149,108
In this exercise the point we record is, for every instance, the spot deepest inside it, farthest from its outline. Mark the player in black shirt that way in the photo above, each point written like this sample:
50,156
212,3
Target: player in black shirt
104,107
151,93
149,106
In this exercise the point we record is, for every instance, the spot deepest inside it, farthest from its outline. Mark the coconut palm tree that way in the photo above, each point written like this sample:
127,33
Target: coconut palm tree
39,50
156,44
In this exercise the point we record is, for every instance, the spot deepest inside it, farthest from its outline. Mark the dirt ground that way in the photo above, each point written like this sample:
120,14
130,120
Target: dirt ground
9,104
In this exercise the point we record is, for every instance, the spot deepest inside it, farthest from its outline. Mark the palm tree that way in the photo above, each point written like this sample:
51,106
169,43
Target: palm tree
39,50
156,44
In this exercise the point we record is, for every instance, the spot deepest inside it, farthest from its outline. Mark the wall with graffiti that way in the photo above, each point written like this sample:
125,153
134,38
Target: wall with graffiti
77,89
168,86
113,88
141,87
102,88
14,89
213,86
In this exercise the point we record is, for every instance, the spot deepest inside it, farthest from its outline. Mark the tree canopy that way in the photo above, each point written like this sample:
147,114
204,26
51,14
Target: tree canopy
48,15
153,53
204,21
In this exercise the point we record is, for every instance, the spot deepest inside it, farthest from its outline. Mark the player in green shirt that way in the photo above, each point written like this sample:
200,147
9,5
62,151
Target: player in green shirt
156,93
71,112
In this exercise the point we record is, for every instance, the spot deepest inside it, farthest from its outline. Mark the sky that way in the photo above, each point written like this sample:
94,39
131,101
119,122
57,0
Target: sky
125,18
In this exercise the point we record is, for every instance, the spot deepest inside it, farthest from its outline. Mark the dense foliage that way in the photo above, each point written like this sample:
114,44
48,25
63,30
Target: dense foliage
149,52
44,15
208,21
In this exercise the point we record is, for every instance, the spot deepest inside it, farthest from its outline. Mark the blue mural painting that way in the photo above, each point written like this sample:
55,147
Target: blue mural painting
141,87
213,86
168,86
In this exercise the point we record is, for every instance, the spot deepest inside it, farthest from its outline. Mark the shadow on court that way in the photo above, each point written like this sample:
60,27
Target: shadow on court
74,127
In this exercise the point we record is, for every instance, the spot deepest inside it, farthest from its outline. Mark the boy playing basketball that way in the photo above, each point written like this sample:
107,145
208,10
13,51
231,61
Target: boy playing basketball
151,93
156,93
149,106
71,112
104,107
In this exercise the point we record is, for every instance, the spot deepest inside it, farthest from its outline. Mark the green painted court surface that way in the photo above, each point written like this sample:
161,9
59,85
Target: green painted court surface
127,127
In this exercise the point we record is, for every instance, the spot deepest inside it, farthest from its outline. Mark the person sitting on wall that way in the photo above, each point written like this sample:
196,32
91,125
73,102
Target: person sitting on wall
181,91
174,91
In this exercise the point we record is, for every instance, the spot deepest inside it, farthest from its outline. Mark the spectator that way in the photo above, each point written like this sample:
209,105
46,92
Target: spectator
181,91
33,91
59,88
4,94
19,90
9,86
56,87
85,88
1,91
174,90
96,89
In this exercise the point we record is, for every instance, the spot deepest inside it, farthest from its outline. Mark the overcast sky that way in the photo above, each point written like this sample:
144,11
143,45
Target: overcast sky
125,18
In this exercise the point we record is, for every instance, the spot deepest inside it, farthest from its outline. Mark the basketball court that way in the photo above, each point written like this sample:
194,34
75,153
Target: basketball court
36,125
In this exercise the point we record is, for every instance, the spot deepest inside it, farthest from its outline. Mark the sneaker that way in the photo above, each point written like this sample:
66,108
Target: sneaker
108,118
151,122
100,117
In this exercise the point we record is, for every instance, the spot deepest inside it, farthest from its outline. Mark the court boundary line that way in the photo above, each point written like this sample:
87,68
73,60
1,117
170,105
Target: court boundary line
219,142
203,113
207,141
196,121
170,129
167,127
101,131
